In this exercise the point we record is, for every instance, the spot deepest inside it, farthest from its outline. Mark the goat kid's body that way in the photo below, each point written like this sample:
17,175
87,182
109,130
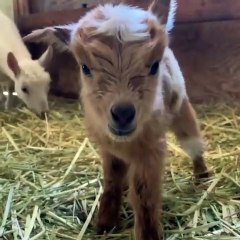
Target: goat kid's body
132,92
140,161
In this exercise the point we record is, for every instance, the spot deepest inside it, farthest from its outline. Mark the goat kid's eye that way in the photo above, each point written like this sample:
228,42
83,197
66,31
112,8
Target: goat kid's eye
154,68
25,90
86,70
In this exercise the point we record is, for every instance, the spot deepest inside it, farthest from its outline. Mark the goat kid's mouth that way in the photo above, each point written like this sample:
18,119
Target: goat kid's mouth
121,132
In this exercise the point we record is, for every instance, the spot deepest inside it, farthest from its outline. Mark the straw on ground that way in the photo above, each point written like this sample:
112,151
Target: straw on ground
50,179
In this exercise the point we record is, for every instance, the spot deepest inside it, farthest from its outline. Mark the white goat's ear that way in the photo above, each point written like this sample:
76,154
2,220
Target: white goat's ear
161,9
46,57
13,64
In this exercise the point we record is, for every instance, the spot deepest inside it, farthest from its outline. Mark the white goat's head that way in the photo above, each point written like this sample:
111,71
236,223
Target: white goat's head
31,81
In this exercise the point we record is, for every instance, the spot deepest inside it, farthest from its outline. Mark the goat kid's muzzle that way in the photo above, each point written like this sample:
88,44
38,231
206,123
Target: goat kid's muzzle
123,116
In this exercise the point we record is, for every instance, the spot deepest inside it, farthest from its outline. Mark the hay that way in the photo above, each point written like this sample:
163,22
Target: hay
50,179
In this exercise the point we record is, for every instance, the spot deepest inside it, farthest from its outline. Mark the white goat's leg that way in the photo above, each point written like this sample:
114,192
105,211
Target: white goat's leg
10,97
1,94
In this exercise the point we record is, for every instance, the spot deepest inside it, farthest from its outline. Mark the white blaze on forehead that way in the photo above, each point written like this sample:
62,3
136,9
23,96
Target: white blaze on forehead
127,23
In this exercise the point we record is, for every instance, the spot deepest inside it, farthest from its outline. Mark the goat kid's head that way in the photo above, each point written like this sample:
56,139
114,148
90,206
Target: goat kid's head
32,81
119,49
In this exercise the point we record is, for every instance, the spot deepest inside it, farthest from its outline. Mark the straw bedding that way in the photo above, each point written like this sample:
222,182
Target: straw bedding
51,179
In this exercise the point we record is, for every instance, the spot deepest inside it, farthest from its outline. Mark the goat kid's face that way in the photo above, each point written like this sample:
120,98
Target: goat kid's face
32,83
119,80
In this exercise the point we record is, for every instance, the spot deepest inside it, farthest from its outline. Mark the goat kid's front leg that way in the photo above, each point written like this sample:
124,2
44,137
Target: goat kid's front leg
145,193
114,171
186,128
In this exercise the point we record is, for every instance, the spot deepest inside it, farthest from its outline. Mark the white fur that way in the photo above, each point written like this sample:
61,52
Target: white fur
193,146
10,40
170,71
175,76
171,15
127,23
32,75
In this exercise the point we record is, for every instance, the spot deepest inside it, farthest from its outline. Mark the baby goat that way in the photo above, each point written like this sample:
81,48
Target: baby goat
132,92
30,78
62,66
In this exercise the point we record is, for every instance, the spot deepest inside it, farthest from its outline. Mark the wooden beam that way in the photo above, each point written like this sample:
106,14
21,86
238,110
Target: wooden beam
40,20
188,11
59,5
22,8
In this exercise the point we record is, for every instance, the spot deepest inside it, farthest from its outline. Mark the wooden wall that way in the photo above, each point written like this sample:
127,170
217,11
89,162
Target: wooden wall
188,11
209,54
206,41
37,6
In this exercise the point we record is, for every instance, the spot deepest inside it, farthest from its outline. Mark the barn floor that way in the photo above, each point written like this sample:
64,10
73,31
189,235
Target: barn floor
50,179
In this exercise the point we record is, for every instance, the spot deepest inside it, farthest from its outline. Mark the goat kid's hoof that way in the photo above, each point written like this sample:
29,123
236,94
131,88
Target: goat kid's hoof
104,228
203,177
105,225
204,174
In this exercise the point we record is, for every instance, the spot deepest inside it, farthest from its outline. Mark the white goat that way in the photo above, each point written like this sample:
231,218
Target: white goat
30,79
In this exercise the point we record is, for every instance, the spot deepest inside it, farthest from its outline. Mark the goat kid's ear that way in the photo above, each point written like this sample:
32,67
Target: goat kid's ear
46,57
161,9
63,33
78,48
58,35
12,63
154,49
44,35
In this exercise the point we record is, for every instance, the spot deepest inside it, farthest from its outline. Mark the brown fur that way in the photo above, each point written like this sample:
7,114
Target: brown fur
62,66
64,71
185,126
160,8
120,72
115,171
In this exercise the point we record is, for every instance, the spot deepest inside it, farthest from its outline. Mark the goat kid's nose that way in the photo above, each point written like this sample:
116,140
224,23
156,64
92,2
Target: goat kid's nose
123,114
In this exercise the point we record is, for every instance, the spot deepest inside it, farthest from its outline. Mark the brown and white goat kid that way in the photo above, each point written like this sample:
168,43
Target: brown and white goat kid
133,91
